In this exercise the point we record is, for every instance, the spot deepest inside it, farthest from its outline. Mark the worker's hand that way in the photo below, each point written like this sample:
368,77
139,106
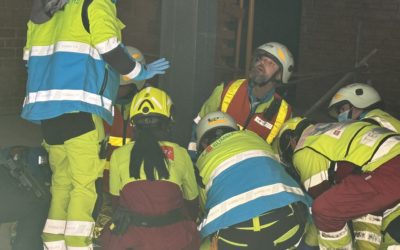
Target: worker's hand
121,221
152,69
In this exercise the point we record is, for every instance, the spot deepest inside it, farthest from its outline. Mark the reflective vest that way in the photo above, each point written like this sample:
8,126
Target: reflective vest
383,119
66,72
268,118
180,169
361,143
242,180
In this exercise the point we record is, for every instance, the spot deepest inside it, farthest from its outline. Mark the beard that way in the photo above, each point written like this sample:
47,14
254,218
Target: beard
257,77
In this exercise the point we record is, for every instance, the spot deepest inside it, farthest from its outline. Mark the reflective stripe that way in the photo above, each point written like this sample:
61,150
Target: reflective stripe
90,247
386,147
334,235
69,95
192,146
54,226
54,245
117,141
139,101
243,198
62,46
256,224
135,71
391,210
233,88
316,179
197,119
368,236
370,219
26,54
107,45
233,160
383,123
280,119
79,228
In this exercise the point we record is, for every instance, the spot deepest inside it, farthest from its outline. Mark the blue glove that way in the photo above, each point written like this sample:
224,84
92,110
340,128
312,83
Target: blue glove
152,69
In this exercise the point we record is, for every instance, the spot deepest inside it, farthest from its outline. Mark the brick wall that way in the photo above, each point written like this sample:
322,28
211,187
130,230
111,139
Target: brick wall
143,22
142,19
328,43
13,18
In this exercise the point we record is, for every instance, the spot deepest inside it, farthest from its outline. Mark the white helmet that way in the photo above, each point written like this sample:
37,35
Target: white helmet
281,54
214,120
359,95
138,57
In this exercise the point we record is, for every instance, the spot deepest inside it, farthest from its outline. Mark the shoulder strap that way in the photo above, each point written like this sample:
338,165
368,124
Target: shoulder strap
85,19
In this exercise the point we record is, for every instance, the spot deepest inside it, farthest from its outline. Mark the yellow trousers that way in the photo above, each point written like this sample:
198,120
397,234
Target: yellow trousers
76,166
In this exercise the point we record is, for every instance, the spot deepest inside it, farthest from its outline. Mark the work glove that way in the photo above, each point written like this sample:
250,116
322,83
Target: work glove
152,69
121,221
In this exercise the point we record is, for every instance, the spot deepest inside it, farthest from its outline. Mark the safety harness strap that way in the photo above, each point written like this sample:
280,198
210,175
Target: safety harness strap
124,218
280,224
171,217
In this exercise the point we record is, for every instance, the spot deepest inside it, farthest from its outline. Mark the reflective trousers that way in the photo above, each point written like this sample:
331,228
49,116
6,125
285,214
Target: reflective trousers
354,198
76,166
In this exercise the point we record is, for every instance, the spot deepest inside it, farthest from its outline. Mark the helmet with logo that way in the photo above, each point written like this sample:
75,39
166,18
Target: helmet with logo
359,95
151,105
292,128
137,56
214,124
281,55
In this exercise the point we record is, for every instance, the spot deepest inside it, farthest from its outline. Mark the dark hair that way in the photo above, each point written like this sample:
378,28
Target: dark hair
212,135
148,151
285,149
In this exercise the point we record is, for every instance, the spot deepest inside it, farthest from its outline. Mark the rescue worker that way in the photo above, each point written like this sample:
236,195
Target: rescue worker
359,101
253,102
119,133
74,59
155,182
352,171
248,199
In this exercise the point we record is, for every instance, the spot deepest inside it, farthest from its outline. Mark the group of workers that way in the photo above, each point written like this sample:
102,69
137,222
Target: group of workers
252,177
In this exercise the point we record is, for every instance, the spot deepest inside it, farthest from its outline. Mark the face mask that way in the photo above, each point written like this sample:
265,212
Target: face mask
344,116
